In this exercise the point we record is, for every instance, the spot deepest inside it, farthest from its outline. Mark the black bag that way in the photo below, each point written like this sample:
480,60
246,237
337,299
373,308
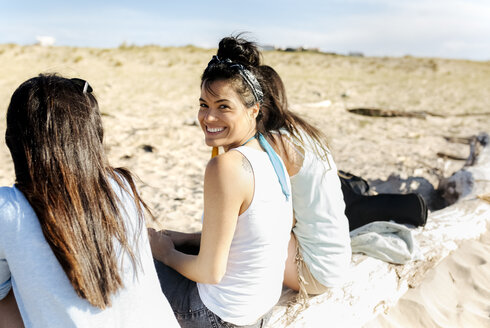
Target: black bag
353,183
362,208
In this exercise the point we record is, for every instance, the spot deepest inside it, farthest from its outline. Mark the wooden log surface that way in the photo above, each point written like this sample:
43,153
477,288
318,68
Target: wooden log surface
373,285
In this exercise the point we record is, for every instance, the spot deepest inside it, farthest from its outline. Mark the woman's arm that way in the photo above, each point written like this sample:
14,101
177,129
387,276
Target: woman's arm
9,312
228,190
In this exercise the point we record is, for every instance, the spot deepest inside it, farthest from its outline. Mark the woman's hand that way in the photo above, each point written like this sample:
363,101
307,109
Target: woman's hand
161,245
181,239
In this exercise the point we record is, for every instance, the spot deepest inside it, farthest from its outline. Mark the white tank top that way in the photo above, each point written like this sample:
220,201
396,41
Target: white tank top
252,283
322,229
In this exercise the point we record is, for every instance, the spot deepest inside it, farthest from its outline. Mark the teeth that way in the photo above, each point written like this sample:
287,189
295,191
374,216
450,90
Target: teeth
215,129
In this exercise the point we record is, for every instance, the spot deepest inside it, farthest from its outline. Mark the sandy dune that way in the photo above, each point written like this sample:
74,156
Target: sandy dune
149,99
454,294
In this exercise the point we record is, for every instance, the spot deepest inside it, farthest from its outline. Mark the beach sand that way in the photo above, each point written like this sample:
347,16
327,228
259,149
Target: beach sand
149,100
456,293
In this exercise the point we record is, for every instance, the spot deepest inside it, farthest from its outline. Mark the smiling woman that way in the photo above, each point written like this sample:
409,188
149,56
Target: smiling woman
225,120
236,277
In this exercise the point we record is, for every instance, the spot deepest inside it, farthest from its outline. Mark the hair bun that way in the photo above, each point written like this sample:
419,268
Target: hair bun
239,50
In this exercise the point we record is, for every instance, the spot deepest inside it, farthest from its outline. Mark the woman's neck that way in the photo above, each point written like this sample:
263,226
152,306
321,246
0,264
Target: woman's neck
251,136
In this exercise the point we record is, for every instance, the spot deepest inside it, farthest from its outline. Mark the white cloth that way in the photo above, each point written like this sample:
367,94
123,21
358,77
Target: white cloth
387,241
43,292
322,229
252,283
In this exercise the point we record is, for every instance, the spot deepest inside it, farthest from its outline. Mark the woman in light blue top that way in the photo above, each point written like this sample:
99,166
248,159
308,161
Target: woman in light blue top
73,247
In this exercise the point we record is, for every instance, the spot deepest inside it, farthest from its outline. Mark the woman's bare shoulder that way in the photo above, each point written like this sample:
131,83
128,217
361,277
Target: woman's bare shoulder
229,165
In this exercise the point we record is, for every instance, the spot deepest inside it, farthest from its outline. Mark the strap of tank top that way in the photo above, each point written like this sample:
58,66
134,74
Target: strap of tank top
276,164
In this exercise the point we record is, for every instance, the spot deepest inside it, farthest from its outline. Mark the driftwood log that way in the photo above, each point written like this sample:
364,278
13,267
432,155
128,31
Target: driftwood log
378,112
373,285
475,143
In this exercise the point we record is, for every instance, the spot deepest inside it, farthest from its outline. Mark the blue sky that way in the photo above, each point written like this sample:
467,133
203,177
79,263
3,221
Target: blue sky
429,28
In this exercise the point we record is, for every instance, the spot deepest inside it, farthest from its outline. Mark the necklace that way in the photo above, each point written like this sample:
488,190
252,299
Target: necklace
246,142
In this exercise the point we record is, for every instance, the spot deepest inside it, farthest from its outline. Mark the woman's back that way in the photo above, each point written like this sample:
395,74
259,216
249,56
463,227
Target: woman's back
43,292
322,229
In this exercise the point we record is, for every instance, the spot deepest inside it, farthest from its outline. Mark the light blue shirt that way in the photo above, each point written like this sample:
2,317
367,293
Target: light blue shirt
43,292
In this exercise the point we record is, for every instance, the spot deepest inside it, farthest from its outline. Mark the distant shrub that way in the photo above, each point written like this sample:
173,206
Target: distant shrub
124,46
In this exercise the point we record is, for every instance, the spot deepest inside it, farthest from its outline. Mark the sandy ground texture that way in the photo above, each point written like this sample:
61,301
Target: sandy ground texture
456,293
149,100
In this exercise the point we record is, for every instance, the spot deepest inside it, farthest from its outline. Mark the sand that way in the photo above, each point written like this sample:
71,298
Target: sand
149,100
456,293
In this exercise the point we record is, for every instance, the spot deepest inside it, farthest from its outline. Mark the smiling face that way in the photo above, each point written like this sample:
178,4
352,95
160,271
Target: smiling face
224,118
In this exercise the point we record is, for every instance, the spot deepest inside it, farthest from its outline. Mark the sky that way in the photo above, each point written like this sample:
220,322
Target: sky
425,28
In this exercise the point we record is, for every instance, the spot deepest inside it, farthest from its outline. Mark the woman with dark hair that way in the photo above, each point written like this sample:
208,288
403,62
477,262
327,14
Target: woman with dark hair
319,250
236,277
73,247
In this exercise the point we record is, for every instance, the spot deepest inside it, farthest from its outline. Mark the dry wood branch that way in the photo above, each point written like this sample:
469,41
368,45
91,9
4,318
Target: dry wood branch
475,142
449,156
462,140
485,197
472,114
474,151
376,112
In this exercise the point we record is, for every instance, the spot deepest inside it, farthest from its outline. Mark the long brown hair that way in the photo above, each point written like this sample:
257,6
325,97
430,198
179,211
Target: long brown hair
277,115
274,113
54,133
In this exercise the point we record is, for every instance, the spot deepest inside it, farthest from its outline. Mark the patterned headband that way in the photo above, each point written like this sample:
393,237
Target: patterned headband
246,75
82,84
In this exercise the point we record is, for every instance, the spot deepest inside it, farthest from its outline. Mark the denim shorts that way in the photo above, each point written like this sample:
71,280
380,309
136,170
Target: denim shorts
186,303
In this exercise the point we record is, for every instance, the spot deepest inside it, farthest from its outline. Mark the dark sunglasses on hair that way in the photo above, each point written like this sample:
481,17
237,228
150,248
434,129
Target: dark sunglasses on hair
82,84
